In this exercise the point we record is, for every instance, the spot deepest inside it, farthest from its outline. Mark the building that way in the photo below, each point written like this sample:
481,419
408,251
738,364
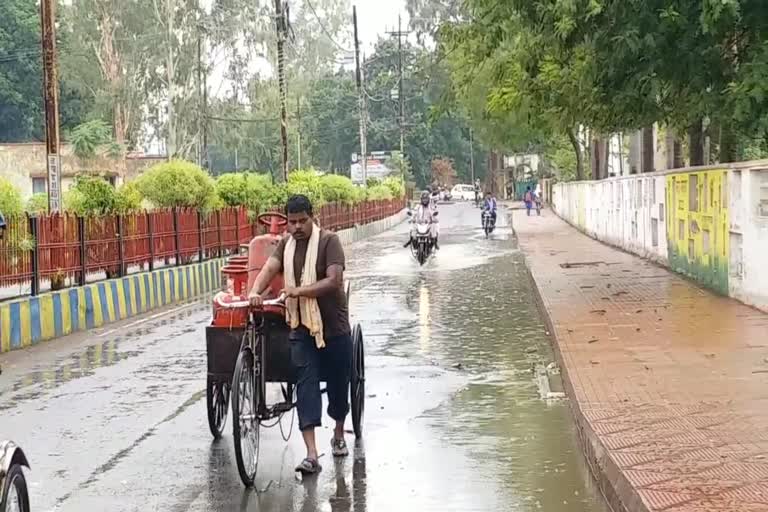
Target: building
24,165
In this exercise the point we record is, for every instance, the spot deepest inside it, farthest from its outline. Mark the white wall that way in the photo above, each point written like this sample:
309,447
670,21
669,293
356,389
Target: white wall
748,217
627,212
630,213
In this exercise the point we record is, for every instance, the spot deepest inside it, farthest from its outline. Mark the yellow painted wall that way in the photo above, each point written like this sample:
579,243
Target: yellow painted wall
697,226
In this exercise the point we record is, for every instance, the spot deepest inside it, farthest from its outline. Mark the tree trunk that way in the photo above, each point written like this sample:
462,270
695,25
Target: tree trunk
648,153
677,150
171,77
594,157
696,144
674,150
577,149
729,151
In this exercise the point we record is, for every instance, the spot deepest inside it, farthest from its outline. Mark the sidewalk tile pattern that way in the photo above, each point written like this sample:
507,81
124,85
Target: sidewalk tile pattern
669,382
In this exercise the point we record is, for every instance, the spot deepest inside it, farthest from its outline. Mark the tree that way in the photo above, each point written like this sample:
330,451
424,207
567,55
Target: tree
21,114
443,172
90,137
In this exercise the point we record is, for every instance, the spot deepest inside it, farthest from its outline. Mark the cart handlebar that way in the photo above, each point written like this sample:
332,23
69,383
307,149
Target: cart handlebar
280,301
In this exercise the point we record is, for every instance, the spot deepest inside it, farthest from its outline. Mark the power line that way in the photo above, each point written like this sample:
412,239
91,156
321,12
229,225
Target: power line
325,31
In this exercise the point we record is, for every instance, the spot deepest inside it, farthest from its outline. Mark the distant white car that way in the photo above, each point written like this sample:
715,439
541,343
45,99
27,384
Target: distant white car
463,193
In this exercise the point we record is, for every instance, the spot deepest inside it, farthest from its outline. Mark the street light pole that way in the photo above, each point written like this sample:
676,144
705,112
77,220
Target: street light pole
471,155
361,102
51,102
400,82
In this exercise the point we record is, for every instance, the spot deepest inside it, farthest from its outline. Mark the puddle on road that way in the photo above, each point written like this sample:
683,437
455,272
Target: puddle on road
474,310
115,348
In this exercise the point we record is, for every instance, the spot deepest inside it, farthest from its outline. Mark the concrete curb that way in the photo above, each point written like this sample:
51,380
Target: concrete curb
30,320
619,494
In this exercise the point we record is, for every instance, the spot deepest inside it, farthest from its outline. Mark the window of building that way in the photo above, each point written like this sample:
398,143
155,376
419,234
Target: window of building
39,185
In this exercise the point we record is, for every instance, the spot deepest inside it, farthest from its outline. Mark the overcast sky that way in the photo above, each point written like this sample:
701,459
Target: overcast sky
376,17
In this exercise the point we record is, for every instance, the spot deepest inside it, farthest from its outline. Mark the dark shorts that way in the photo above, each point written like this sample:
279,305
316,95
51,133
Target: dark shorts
333,362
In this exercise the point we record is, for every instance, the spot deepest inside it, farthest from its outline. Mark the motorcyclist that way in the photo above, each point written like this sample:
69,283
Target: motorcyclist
425,213
489,204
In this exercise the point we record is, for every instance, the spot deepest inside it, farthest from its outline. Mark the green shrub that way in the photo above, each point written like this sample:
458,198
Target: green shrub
10,199
128,198
90,195
379,192
178,184
340,189
37,204
308,183
395,185
252,190
232,188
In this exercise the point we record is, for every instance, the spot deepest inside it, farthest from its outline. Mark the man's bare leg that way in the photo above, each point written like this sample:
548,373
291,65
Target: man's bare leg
309,442
338,432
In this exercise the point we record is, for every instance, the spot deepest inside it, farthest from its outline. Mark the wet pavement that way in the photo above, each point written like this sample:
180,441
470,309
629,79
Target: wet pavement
455,420
670,381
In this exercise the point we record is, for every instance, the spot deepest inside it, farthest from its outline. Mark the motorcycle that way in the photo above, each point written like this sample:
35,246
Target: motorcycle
488,224
421,245
13,485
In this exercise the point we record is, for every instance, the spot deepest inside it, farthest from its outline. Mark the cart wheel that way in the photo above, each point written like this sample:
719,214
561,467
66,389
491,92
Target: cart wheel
245,419
15,496
357,381
217,399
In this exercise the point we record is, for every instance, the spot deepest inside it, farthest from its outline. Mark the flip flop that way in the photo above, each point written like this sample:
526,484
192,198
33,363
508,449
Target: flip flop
308,467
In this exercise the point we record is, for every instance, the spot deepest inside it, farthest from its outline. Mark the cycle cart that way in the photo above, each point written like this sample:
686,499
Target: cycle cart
248,348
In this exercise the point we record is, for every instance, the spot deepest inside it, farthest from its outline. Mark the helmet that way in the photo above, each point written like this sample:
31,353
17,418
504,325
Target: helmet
425,198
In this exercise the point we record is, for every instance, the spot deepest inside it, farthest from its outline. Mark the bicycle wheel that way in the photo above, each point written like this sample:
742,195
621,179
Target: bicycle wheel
15,497
217,401
245,418
357,382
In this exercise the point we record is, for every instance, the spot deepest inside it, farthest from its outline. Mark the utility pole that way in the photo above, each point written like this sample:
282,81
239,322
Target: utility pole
199,97
361,101
171,143
400,82
401,97
51,102
471,156
280,25
298,131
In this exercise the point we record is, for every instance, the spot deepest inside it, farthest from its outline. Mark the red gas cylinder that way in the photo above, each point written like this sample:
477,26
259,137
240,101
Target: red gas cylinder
262,247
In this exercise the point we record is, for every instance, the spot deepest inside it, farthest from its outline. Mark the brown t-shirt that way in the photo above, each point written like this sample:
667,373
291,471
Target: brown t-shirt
333,307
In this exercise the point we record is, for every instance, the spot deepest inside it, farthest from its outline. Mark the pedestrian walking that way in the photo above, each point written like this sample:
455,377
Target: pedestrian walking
312,261
528,198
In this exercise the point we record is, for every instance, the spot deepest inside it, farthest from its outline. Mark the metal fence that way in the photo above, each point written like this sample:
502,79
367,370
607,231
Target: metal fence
39,253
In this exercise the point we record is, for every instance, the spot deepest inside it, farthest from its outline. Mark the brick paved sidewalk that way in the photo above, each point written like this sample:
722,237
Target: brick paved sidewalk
669,383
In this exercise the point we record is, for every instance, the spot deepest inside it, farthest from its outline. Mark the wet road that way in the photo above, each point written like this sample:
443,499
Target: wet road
116,420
